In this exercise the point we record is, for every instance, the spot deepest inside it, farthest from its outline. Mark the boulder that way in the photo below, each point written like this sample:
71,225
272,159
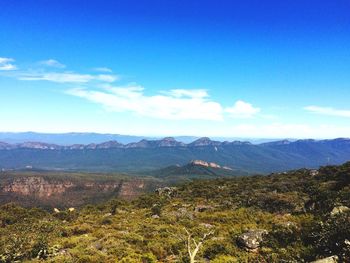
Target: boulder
313,173
251,239
166,191
97,245
332,259
339,209
182,213
107,215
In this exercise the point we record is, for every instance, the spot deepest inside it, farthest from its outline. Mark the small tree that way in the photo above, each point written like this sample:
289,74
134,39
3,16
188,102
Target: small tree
193,245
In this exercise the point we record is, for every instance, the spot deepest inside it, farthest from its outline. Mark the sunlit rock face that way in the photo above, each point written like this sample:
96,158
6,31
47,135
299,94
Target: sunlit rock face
68,192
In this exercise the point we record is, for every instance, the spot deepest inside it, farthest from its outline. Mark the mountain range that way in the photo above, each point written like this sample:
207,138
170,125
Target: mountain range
148,155
91,137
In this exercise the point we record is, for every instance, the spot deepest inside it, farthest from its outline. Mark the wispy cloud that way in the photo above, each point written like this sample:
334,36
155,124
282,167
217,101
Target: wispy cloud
176,105
191,93
242,110
53,72
6,64
328,111
52,63
66,77
103,69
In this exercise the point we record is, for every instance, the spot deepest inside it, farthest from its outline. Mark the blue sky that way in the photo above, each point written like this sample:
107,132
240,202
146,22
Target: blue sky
269,69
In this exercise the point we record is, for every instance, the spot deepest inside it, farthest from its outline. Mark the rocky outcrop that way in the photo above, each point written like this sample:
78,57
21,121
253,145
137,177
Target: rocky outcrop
251,239
167,191
209,164
332,259
109,144
170,142
339,210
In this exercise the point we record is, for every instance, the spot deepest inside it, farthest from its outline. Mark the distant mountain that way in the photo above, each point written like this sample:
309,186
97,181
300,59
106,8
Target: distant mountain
87,138
147,155
66,138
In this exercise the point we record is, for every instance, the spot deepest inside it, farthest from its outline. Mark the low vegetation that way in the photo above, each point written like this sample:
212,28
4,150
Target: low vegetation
299,216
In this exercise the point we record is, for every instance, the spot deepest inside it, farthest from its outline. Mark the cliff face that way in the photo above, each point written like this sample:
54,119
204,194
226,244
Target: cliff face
36,186
48,192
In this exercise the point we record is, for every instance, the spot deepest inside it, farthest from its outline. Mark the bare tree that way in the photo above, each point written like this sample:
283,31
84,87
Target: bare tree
194,246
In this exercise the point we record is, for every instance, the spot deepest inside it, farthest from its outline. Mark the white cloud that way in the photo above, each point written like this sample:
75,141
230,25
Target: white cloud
6,64
103,69
178,93
52,63
53,75
242,110
328,111
175,105
67,77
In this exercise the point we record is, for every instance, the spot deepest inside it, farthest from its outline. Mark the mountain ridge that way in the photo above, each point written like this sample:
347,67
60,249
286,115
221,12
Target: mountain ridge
149,155
165,142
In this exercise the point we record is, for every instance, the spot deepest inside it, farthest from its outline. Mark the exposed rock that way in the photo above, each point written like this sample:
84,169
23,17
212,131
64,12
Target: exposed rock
107,215
204,163
339,209
209,164
36,186
183,213
97,245
53,190
313,173
109,145
206,225
169,142
155,216
166,191
56,210
332,259
251,239
39,145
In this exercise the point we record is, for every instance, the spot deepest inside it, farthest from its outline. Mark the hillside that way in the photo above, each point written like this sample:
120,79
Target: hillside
48,189
148,155
196,169
297,216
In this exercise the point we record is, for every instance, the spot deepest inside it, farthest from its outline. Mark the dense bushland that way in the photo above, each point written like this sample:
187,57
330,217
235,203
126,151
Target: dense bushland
304,213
